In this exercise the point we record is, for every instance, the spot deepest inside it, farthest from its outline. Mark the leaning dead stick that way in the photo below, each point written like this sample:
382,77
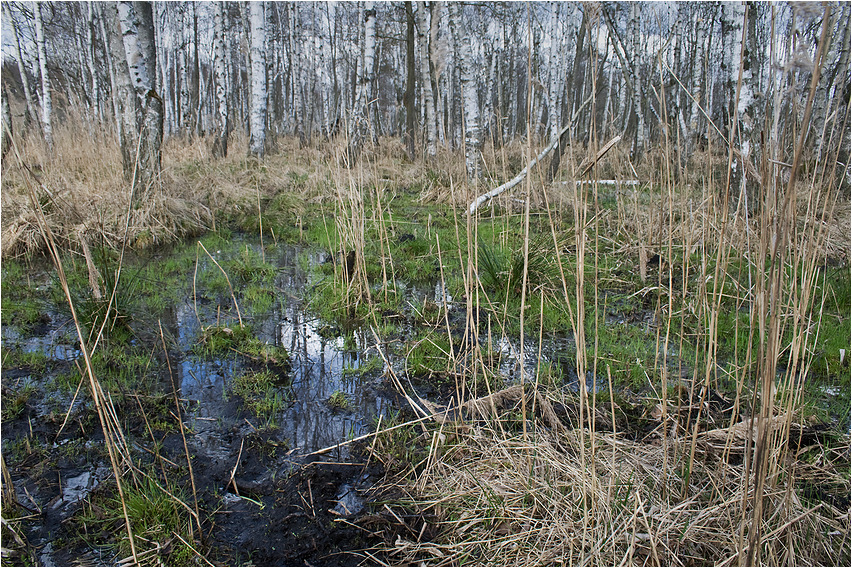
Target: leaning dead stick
520,177
376,433
231,288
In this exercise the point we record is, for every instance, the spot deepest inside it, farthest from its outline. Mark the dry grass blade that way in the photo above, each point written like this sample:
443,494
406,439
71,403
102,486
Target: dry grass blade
113,437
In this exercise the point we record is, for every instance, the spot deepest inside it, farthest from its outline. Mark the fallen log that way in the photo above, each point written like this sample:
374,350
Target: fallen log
520,177
517,179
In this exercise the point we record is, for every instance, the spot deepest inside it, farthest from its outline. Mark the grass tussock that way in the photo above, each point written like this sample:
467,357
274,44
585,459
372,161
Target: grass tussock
493,497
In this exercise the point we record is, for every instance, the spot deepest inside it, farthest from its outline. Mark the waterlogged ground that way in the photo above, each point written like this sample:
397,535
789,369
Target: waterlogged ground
264,496
269,395
269,501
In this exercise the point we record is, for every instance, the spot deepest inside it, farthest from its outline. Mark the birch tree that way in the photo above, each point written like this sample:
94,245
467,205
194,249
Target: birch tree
359,121
91,59
408,96
46,101
6,126
136,21
472,129
427,99
553,82
184,102
257,19
741,76
29,110
220,143
635,62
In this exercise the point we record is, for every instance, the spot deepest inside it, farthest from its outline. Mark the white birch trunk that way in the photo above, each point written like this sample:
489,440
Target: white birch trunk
297,75
184,104
635,62
92,62
29,113
220,144
427,100
6,126
695,83
472,128
137,27
46,102
359,120
734,14
553,82
257,15
439,78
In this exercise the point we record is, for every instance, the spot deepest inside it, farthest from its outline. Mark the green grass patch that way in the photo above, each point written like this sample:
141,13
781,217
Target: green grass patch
155,518
263,393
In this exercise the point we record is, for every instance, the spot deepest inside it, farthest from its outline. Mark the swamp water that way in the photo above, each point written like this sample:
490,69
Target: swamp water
269,499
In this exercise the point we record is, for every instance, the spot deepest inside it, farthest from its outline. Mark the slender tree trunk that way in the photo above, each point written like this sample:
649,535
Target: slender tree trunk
29,111
184,102
220,144
46,101
6,127
137,28
92,61
472,128
694,128
437,71
635,66
739,70
427,99
196,79
410,79
575,92
257,144
359,121
553,71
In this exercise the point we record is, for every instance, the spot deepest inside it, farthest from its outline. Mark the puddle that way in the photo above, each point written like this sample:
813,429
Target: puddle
55,345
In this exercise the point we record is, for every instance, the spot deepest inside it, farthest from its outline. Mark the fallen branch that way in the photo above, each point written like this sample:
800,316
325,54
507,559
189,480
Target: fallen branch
601,153
517,179
520,177
615,182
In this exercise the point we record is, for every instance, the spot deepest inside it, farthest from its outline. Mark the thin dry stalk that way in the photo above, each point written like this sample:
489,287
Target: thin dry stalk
230,288
118,453
178,416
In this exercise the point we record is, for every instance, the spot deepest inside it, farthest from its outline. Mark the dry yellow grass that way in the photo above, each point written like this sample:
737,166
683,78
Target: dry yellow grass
487,497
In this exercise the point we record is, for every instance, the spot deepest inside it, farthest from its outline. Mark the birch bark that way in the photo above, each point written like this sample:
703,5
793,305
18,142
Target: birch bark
359,121
472,129
46,101
410,79
29,111
427,99
6,127
257,19
220,144
184,104
136,20
635,62
91,60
